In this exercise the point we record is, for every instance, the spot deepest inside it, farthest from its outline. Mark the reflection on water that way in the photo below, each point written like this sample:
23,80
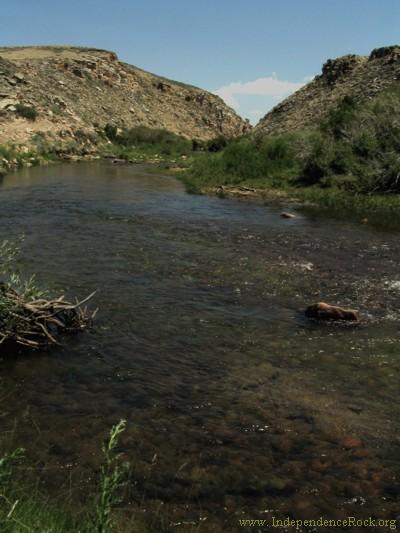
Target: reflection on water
236,405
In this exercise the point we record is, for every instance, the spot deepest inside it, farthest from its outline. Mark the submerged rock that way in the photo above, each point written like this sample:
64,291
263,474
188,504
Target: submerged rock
324,311
350,443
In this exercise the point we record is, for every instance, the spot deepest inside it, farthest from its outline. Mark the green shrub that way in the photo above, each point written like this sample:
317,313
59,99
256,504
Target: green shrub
360,141
217,144
339,118
28,112
111,132
198,145
149,139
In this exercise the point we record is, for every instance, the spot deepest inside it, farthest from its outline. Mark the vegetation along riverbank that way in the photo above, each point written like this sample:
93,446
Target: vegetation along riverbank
351,160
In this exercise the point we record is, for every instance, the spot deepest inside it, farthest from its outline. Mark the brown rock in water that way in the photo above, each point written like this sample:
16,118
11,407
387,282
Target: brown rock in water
324,311
350,443
319,465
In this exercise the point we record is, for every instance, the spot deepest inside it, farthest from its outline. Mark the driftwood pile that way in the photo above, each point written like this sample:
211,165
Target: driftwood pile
37,323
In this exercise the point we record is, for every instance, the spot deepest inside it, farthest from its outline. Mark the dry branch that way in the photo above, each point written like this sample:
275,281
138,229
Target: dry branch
38,323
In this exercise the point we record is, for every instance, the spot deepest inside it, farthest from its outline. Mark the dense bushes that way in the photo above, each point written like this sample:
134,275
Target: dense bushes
217,144
357,149
247,159
162,141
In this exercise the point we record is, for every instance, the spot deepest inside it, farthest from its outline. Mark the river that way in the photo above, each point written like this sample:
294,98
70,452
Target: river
237,406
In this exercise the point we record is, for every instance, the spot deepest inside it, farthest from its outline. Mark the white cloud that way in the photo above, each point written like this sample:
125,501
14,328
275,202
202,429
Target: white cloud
270,86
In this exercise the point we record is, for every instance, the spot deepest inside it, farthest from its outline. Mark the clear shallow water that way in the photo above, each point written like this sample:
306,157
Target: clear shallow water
236,405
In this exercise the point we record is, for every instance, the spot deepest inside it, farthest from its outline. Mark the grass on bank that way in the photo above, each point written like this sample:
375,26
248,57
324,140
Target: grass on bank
353,157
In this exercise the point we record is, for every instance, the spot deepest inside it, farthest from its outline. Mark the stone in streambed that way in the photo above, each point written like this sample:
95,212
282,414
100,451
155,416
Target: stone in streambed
278,485
319,465
350,443
360,453
324,311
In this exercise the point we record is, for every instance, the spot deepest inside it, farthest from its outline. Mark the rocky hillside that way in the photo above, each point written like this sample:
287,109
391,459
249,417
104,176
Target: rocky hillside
351,75
82,89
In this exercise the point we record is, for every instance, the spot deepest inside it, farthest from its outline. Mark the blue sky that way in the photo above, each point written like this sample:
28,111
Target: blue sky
266,48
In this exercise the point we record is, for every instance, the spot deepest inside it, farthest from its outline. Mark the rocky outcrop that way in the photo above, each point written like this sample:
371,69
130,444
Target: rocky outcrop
84,89
356,76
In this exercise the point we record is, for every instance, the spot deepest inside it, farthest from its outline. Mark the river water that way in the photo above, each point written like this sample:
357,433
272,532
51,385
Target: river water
236,405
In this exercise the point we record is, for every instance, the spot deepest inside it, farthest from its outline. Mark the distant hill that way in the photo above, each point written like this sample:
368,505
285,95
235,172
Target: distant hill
357,76
73,88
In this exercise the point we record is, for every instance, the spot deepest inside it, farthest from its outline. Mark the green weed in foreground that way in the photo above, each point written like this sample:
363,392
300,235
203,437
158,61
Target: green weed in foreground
6,464
23,509
113,473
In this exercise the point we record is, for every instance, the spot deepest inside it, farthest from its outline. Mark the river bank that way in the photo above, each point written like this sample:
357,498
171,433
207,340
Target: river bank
337,202
347,162
381,211
154,147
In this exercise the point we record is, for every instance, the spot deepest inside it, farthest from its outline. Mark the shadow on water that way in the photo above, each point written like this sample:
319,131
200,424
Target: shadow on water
236,405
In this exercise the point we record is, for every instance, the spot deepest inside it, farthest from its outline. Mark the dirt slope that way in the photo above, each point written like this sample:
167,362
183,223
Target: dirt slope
83,88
